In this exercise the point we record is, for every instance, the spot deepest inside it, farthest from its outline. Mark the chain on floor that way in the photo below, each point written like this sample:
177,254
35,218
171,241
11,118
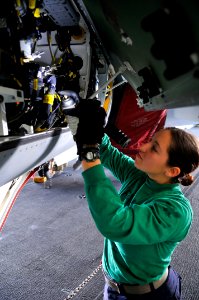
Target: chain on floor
74,292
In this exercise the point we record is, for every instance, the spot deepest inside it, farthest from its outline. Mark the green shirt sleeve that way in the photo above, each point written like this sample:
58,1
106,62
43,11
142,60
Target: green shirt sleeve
148,223
118,163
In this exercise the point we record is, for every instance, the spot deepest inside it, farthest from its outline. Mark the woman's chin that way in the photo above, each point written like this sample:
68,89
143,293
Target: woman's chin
137,165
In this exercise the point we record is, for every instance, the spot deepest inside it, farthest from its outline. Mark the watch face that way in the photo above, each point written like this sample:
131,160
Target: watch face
89,155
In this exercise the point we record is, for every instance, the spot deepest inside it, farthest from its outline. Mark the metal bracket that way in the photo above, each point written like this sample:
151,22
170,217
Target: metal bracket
125,67
8,95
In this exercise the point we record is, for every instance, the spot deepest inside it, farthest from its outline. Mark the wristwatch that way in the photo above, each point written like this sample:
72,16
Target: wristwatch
90,154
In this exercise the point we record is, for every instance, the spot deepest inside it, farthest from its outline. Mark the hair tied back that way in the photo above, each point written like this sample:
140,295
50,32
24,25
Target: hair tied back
186,180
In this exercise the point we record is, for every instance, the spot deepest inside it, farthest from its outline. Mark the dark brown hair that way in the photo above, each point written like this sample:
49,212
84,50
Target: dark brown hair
183,153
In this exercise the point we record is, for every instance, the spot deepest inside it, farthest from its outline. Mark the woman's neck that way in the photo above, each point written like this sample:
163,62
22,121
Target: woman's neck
160,179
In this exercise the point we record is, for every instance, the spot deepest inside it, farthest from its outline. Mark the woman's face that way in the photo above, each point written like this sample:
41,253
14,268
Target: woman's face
152,157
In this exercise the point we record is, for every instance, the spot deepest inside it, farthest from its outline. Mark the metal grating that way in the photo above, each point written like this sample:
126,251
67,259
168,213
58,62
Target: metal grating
61,12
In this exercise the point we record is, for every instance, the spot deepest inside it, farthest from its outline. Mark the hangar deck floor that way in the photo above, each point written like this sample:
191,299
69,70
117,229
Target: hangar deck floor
50,245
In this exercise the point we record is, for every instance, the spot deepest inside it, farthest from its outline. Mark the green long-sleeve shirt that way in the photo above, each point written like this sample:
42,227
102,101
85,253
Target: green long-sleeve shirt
142,224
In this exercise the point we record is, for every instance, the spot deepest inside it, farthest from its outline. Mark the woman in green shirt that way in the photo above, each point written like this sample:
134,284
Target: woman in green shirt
142,223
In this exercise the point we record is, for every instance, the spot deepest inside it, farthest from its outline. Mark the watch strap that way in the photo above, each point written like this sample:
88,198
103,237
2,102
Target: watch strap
90,153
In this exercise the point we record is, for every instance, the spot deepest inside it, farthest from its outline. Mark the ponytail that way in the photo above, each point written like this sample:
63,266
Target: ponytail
186,180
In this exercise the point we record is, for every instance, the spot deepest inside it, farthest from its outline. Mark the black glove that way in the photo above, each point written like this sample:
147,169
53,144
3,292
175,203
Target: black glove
90,130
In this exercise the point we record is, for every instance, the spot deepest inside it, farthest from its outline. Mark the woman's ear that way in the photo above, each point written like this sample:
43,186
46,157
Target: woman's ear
172,171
